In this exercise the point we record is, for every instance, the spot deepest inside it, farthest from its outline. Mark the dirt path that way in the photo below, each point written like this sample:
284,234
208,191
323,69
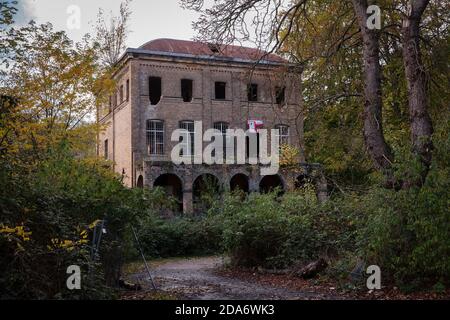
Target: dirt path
196,279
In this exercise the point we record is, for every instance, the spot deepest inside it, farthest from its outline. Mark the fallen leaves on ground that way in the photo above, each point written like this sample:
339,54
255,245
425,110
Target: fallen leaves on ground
328,288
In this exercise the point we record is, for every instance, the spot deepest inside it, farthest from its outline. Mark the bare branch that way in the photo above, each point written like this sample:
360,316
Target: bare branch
112,35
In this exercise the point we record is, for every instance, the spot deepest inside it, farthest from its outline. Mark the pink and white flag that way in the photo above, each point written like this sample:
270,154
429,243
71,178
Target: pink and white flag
255,125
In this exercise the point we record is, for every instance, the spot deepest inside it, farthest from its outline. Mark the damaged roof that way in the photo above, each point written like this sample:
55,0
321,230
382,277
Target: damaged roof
200,49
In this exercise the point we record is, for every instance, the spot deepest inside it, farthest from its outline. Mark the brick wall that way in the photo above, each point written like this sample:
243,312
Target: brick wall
126,126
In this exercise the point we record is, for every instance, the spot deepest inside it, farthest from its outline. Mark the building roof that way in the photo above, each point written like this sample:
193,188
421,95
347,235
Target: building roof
201,49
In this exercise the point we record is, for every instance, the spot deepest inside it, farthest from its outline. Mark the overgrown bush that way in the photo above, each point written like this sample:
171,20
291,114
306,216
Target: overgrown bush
407,233
265,230
254,230
46,209
179,236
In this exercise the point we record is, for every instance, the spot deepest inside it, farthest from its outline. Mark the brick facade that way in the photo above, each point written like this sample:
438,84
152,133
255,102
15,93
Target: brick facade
125,123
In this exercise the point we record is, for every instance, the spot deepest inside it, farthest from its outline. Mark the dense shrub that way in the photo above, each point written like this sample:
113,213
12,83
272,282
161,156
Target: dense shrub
268,231
179,236
254,230
331,226
44,210
407,233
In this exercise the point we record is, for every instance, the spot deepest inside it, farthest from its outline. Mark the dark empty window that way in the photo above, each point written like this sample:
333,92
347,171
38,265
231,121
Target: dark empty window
220,90
121,93
252,92
154,84
280,94
105,150
186,90
128,90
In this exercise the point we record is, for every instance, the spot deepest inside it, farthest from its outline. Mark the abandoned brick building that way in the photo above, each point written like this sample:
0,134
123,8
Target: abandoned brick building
168,84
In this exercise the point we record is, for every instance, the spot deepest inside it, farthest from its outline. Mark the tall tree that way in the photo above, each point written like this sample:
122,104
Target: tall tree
56,83
278,24
111,35
373,124
330,45
421,126
279,20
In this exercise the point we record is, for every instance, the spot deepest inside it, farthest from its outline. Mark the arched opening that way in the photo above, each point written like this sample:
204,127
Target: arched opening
140,182
172,186
205,189
239,182
270,183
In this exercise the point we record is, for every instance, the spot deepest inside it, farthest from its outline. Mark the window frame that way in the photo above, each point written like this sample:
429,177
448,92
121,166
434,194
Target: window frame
106,149
252,92
190,86
222,126
216,88
155,137
121,95
128,90
190,137
157,98
283,138
280,91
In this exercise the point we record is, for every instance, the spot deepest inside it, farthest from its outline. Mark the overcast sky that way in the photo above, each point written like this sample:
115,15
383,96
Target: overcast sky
151,19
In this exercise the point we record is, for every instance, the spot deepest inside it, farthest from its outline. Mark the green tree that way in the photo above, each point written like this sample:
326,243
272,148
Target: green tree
321,34
57,85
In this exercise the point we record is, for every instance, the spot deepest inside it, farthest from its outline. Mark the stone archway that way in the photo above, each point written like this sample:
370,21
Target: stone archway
140,182
239,182
205,188
270,183
173,186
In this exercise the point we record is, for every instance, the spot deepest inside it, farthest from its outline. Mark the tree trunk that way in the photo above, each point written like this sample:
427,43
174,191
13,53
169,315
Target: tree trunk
376,145
420,121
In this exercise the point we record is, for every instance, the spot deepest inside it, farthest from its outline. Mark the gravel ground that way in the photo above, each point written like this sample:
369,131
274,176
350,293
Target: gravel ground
197,279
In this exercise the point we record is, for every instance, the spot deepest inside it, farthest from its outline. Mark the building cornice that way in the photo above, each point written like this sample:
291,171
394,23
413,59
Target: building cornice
131,53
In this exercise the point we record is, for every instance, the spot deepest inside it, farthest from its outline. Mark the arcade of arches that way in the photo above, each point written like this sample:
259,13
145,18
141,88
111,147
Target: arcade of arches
192,187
